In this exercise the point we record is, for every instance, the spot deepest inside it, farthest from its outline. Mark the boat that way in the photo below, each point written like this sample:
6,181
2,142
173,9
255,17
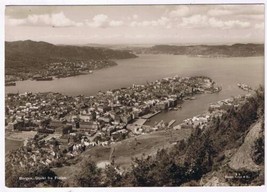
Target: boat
178,107
44,78
60,76
189,98
244,87
11,83
171,123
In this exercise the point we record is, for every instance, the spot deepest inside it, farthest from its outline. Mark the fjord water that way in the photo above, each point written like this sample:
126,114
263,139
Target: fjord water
226,72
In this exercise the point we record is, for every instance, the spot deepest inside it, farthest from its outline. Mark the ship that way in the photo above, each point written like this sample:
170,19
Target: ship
12,83
44,78
244,87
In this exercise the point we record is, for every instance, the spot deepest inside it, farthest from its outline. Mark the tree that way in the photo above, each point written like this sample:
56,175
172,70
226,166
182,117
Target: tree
112,176
45,122
258,150
89,176
141,172
30,177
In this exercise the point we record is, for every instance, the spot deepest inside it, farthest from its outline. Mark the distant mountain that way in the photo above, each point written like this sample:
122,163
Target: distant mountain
20,54
119,46
235,50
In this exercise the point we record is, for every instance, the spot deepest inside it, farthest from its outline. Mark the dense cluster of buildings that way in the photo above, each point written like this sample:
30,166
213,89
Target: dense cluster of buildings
51,152
215,110
60,70
73,68
86,121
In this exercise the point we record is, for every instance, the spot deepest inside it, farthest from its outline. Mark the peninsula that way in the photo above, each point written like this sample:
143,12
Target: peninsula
42,60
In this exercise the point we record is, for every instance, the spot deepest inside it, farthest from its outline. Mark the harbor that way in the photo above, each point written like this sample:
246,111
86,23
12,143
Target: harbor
244,87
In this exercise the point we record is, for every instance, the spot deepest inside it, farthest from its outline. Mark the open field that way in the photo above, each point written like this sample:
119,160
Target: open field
12,144
123,151
20,136
14,140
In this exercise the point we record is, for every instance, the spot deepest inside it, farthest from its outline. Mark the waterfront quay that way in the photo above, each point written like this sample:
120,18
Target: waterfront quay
66,126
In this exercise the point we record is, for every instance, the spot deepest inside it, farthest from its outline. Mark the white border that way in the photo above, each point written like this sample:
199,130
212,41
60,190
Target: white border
3,3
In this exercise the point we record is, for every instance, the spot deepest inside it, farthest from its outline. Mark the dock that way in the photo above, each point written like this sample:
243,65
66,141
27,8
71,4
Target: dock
159,124
140,122
171,123
12,83
148,116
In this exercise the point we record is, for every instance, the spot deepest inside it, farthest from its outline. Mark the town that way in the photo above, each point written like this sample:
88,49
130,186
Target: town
60,69
66,126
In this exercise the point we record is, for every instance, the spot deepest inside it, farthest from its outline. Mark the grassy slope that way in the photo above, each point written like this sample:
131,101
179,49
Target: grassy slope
124,150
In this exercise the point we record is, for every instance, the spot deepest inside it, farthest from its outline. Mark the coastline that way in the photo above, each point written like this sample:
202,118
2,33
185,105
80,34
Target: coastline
138,55
147,144
147,107
60,76
153,141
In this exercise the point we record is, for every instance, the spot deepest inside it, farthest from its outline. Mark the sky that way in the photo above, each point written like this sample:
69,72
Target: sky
136,24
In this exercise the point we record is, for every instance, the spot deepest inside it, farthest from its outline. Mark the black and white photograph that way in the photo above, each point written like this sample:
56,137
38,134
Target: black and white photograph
134,95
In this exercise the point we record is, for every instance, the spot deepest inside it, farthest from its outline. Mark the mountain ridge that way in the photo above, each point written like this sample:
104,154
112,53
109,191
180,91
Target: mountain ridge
28,55
234,50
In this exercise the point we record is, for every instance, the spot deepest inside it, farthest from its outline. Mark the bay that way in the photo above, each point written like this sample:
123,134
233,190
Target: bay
226,72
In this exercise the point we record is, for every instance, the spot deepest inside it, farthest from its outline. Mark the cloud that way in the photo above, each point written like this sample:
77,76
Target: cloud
163,21
241,13
135,16
15,22
22,12
115,23
55,19
236,23
103,21
236,10
259,17
246,9
100,20
259,25
194,21
219,12
60,20
180,11
215,23
202,21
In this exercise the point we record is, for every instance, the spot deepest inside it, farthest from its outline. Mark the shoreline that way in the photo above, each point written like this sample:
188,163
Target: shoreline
88,73
148,119
147,143
112,133
146,108
187,126
61,77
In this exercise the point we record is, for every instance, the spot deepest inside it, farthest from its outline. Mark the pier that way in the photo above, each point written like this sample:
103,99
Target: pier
148,116
171,123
